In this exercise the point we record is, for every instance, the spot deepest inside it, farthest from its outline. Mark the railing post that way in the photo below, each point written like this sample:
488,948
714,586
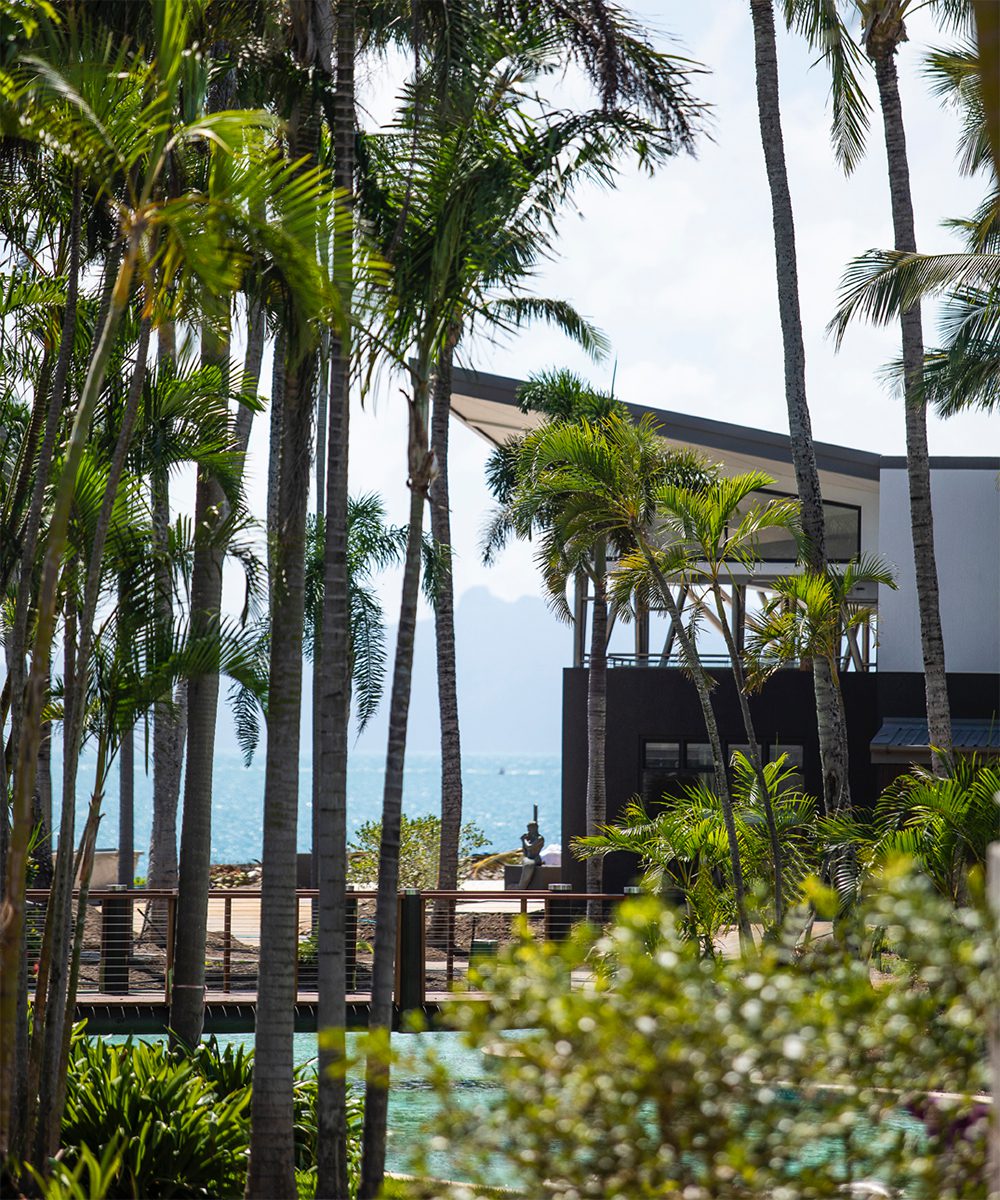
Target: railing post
116,940
168,971
351,941
410,952
227,941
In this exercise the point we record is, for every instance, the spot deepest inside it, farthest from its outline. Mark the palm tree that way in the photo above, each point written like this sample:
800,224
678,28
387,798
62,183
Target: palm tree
272,1160
627,72
603,480
684,850
945,825
808,617
883,29
718,530
964,371
332,680
431,194
561,396
833,755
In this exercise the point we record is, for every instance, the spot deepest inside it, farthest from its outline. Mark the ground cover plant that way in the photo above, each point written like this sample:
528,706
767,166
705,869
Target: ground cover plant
789,1073
143,1122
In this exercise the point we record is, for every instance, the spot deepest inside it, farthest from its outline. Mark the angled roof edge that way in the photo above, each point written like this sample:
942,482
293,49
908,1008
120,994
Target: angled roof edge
699,431
725,435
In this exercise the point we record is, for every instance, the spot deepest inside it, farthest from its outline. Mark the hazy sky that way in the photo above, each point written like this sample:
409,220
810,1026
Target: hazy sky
678,270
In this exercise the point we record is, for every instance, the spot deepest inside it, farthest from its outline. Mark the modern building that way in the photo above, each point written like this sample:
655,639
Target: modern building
655,736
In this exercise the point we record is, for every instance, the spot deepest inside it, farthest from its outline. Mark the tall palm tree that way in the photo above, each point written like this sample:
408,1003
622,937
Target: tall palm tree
833,753
561,396
964,370
605,479
719,527
883,29
272,1158
627,72
432,194
332,671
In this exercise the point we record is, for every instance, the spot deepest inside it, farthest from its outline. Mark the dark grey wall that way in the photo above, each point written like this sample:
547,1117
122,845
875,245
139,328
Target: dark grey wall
656,704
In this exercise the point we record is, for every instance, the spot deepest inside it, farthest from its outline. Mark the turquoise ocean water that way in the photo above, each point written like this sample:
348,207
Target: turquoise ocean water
500,791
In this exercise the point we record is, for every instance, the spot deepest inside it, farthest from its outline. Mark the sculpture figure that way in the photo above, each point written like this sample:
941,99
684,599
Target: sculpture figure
531,852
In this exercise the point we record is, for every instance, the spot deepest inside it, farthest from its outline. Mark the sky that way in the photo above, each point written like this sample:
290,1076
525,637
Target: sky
678,270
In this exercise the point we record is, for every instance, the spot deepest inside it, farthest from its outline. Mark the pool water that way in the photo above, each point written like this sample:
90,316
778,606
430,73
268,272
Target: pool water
414,1104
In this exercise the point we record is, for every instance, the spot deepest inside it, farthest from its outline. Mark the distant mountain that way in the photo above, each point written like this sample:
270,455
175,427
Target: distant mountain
510,659
510,655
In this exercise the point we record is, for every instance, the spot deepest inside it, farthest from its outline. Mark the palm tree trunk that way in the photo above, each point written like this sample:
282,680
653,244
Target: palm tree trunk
334,671
739,679
187,994
272,1167
444,631
272,1148
39,1012
12,923
274,454
833,754
168,730
126,810
832,729
597,723
61,997
882,50
703,686
126,796
256,333
43,469
377,1067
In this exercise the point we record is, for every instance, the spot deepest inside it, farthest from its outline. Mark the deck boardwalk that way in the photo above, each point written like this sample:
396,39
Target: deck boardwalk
235,1012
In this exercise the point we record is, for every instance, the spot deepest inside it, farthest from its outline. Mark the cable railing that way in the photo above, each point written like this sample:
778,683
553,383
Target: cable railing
129,936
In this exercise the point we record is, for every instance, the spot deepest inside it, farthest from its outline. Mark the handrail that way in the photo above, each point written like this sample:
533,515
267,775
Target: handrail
313,894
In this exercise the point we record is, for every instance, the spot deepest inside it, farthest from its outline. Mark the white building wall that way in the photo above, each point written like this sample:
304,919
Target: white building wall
966,506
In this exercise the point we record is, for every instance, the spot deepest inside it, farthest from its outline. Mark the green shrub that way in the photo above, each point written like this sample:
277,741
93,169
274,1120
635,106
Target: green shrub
419,848
786,1074
180,1125
180,1138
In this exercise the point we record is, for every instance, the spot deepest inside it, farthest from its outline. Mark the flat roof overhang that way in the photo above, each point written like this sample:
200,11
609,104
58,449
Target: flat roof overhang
907,739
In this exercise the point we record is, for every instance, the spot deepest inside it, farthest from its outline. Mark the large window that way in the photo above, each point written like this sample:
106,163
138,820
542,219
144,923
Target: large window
843,531
668,766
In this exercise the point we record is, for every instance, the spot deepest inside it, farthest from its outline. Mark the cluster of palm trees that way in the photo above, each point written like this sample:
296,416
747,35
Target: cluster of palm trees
186,185
591,487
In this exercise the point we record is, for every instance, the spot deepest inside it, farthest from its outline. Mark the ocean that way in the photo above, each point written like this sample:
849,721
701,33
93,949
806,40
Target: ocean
499,792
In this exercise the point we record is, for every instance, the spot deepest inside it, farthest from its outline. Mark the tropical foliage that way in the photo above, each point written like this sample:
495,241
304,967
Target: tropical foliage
683,848
786,1071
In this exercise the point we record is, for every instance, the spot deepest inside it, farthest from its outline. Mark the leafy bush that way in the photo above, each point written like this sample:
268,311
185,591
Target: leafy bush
684,847
179,1126
784,1074
945,824
180,1137
419,847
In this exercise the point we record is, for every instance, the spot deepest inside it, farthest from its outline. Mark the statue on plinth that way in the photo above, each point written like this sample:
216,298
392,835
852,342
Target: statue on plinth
531,852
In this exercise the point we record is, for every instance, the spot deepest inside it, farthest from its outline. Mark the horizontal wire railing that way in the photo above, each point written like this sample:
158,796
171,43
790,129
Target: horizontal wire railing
128,944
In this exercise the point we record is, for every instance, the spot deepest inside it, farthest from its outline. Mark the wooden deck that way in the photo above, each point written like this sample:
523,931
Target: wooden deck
235,1012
